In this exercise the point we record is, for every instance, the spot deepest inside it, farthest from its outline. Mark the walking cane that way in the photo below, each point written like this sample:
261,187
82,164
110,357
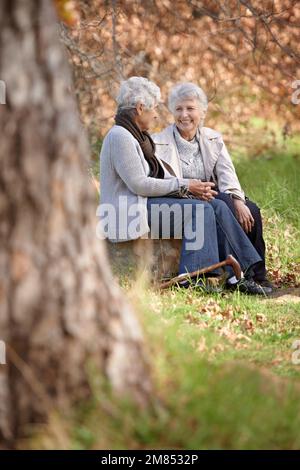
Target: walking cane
229,261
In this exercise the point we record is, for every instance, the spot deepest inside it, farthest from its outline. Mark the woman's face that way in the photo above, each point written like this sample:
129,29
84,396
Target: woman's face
188,117
146,116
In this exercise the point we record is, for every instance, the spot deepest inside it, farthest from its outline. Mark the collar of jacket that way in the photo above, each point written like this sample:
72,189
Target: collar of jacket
208,139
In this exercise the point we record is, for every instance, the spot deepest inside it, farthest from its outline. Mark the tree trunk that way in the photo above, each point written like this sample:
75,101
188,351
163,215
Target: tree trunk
60,307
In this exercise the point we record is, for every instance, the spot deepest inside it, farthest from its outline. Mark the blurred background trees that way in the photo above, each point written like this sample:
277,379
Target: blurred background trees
244,54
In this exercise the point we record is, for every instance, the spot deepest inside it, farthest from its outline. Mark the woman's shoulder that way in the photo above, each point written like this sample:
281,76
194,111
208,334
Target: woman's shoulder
119,132
164,135
119,137
211,133
118,141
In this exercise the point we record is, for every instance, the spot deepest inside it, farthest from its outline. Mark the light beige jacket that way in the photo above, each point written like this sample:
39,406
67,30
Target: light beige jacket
217,162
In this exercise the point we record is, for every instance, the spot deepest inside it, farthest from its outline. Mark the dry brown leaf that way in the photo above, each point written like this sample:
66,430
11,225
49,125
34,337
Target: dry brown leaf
261,318
248,326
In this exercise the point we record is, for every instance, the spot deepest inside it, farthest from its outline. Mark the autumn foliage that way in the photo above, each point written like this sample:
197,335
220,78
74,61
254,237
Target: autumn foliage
243,53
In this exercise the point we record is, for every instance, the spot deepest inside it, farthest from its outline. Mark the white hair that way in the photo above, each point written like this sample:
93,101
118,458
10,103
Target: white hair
185,91
138,89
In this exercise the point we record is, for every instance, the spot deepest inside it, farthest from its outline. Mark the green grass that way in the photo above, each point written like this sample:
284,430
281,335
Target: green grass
221,364
272,180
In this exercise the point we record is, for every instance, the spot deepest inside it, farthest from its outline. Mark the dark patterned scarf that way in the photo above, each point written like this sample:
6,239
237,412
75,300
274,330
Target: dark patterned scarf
125,118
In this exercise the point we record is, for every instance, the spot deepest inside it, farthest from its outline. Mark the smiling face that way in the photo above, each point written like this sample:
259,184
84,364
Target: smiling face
188,117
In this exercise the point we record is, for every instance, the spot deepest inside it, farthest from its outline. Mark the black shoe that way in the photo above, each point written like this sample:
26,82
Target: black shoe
265,283
248,286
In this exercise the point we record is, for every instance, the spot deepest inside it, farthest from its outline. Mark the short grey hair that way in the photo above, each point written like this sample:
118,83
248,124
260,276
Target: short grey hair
185,91
138,89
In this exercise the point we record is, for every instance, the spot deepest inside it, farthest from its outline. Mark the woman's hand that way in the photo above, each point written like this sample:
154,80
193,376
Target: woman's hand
244,215
202,190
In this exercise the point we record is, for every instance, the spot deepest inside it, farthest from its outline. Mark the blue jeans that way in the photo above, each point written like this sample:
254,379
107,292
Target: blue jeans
220,232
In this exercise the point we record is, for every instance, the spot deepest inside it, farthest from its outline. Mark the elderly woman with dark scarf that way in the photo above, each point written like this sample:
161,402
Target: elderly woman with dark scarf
133,182
197,152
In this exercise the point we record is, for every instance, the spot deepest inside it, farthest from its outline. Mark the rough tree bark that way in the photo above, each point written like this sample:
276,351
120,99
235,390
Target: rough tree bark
59,303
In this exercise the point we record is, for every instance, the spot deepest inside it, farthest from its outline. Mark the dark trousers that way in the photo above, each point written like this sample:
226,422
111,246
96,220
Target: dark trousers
255,236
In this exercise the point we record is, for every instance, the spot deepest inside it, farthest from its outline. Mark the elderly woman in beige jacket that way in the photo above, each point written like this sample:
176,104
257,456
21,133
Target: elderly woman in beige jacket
196,152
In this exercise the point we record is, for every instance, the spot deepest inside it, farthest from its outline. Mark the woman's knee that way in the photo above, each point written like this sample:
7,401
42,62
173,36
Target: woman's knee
224,197
208,209
203,212
198,204
254,209
219,206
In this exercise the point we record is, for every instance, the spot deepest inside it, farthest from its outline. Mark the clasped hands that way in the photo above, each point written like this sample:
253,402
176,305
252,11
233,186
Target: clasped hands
202,190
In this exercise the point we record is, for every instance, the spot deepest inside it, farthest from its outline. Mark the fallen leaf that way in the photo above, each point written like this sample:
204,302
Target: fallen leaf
261,318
